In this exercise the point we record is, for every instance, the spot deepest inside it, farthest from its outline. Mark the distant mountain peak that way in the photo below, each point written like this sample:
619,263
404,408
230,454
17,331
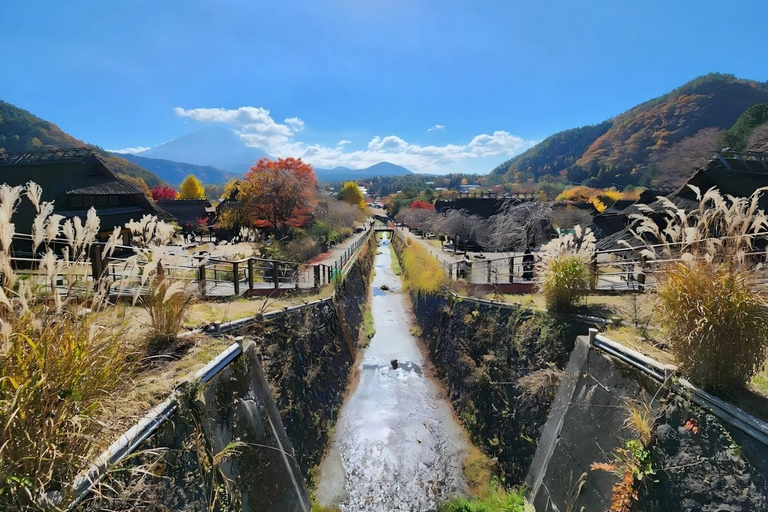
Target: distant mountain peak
340,173
214,146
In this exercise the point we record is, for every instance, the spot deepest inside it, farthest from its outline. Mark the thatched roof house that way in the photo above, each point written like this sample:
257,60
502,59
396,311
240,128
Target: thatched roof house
75,180
191,214
734,174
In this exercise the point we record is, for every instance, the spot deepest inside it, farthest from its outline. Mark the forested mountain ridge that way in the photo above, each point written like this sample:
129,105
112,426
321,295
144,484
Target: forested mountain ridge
21,130
175,172
624,150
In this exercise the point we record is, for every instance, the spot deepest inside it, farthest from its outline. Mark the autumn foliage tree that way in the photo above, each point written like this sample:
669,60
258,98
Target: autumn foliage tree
163,193
279,193
191,188
352,194
418,204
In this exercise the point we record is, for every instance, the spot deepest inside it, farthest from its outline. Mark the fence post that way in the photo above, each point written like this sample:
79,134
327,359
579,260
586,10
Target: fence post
97,263
276,274
593,273
236,276
316,269
489,271
201,278
250,273
511,269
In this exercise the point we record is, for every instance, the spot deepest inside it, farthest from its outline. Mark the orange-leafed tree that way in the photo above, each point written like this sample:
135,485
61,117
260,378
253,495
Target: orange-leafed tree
279,193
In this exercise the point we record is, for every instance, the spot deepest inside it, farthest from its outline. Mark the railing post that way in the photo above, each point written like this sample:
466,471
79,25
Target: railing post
201,278
593,276
316,269
97,262
236,276
489,271
250,273
511,269
276,274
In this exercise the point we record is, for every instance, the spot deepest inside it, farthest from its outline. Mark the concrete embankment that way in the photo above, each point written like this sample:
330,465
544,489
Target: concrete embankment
249,438
547,409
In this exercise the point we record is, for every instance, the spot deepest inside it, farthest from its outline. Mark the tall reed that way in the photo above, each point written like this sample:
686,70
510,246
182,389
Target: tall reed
712,304
57,366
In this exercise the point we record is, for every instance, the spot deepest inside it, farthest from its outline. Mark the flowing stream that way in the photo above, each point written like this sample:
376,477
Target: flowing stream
397,446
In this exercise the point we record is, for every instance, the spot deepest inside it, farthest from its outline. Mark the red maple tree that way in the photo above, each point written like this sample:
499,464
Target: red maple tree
418,204
280,193
163,192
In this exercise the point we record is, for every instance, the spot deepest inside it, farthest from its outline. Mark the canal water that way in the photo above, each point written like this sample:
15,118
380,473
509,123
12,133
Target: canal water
396,446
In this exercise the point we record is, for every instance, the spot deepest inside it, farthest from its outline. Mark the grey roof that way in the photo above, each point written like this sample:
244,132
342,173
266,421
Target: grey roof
63,173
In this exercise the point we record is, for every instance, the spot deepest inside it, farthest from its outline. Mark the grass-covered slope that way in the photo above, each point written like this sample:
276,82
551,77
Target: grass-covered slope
21,130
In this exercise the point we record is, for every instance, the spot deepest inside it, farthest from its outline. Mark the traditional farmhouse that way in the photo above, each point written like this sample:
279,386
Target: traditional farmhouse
191,214
734,174
75,180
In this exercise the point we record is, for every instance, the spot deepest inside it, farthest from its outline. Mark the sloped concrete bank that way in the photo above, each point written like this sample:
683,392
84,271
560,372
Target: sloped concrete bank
548,407
697,464
250,437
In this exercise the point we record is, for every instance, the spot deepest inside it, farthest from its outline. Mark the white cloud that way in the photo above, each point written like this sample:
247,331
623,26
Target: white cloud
436,127
500,143
296,123
137,149
257,128
388,143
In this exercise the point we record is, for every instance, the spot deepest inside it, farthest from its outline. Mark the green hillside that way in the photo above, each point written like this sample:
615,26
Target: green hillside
622,150
737,137
22,131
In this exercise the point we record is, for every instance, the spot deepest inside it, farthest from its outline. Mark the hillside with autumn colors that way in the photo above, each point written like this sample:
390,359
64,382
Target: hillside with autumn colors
21,130
655,143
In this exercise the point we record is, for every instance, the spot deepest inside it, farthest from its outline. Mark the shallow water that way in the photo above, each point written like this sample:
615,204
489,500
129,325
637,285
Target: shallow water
396,445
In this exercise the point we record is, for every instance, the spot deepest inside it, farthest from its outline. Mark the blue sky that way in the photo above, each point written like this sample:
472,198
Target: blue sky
299,77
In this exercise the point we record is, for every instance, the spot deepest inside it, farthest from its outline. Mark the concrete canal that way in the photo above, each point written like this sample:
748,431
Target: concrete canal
396,445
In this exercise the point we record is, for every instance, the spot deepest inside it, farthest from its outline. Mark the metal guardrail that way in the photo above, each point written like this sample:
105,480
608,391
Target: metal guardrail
734,416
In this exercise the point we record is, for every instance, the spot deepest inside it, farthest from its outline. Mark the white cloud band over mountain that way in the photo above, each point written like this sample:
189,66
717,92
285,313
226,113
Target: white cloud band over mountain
257,128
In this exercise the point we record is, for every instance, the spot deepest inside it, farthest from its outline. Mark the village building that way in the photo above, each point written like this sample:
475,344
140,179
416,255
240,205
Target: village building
75,180
190,214
733,174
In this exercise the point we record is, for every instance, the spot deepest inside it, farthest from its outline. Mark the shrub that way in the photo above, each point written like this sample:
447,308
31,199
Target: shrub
565,282
564,273
497,501
716,323
422,271
711,308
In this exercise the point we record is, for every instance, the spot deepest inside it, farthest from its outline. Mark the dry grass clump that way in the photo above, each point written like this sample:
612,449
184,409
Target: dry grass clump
717,324
423,273
711,306
166,303
564,272
56,366
166,299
